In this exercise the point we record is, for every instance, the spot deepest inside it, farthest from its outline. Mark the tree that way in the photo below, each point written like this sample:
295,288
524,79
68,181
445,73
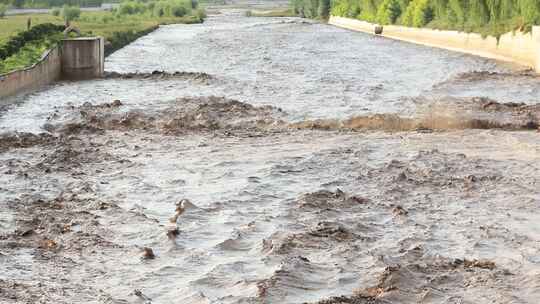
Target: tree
3,10
478,13
324,9
368,10
529,10
71,13
423,13
388,12
56,12
18,3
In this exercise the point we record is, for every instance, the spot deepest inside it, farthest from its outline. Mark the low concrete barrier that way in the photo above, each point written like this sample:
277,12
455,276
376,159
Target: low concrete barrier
76,59
47,70
520,48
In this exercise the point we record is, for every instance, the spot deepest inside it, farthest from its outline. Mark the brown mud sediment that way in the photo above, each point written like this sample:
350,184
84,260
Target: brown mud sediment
384,216
14,140
186,115
474,113
160,75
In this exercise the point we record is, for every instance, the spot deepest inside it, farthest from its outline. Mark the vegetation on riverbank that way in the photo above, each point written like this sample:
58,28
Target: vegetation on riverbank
119,27
488,17
27,47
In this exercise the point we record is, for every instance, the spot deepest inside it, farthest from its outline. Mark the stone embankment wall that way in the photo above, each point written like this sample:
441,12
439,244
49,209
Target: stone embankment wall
520,48
80,58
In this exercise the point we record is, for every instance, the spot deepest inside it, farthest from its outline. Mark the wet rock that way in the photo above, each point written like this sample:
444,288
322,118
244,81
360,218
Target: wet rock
160,75
138,293
351,300
324,199
48,244
27,232
172,233
484,264
399,211
328,229
148,254
471,178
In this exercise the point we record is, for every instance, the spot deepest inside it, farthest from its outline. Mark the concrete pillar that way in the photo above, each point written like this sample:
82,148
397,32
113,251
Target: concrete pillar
83,58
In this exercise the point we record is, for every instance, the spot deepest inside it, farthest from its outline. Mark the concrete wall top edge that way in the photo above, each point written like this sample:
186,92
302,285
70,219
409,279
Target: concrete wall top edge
44,57
535,28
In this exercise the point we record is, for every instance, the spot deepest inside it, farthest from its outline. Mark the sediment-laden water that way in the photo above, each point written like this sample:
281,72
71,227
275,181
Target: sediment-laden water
286,162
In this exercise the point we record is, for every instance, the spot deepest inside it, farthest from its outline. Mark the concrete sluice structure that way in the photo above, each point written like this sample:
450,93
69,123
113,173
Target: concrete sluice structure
83,58
75,59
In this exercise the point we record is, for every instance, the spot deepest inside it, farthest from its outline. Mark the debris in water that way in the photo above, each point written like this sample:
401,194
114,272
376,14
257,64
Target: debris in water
398,210
48,244
484,264
172,233
180,208
141,295
148,253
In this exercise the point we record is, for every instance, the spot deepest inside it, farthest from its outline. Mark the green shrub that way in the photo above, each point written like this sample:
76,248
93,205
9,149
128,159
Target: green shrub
70,13
178,10
201,14
529,10
456,12
172,8
131,8
121,39
340,8
18,3
106,19
3,10
388,12
56,12
324,9
37,32
423,13
307,8
368,11
418,13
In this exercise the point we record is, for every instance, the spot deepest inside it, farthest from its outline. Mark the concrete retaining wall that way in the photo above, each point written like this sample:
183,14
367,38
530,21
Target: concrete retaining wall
47,70
76,59
520,48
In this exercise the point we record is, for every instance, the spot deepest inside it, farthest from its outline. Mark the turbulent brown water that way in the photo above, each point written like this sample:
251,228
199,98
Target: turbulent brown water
313,165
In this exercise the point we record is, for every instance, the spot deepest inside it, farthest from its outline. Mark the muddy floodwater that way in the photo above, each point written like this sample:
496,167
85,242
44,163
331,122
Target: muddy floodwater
274,160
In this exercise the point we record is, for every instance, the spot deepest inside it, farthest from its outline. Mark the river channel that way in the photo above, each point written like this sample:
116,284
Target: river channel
274,160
